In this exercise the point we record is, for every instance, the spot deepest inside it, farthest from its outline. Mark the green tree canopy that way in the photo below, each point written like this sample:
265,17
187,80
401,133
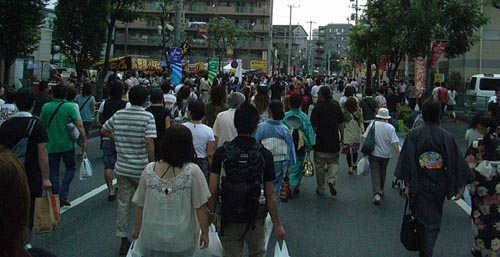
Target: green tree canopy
80,31
19,27
224,32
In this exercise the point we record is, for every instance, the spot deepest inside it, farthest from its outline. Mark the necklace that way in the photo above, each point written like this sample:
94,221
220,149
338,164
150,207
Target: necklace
165,172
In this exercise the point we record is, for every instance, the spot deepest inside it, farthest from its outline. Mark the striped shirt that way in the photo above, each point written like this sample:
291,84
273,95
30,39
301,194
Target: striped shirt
130,127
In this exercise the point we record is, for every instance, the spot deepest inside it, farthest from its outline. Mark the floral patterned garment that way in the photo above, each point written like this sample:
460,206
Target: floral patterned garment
485,195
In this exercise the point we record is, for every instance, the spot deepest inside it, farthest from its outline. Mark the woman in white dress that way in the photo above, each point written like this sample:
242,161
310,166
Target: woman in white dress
172,200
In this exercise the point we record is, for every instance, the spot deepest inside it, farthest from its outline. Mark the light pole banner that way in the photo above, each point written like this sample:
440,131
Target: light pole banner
212,70
420,75
175,65
239,70
437,50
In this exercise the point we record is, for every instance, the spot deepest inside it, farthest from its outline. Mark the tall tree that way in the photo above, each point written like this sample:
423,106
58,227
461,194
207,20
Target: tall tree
79,30
19,29
223,33
116,10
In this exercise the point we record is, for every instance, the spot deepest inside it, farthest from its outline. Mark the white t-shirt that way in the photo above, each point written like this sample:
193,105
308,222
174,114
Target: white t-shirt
202,134
385,136
224,128
343,99
315,90
452,97
435,93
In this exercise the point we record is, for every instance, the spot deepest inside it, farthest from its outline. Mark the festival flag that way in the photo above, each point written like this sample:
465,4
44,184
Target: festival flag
437,50
213,65
175,65
420,75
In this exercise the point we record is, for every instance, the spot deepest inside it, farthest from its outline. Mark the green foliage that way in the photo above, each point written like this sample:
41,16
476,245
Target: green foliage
457,81
19,27
80,31
224,32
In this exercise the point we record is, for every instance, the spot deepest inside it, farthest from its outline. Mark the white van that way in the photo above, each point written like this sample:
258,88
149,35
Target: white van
481,88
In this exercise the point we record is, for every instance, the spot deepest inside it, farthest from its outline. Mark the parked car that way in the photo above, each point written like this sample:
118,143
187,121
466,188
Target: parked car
480,88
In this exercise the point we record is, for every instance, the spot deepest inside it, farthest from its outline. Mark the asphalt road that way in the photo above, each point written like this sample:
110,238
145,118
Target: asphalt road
347,225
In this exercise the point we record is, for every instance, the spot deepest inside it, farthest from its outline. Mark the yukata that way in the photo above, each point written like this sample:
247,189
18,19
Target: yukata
296,119
433,168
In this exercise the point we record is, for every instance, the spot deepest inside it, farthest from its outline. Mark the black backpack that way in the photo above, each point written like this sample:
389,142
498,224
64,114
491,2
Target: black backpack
241,186
21,147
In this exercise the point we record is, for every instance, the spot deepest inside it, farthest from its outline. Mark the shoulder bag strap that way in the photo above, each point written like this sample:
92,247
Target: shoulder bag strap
54,114
86,101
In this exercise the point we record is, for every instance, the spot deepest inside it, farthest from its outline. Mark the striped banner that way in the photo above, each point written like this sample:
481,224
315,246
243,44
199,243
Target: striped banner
213,65
175,65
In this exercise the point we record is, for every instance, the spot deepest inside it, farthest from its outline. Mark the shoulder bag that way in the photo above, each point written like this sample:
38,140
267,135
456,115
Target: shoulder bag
369,143
71,128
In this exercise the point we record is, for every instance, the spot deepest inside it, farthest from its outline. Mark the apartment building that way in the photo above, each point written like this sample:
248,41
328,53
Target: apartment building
328,39
142,37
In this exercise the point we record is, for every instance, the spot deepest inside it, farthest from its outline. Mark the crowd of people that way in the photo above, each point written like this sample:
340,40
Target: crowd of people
206,152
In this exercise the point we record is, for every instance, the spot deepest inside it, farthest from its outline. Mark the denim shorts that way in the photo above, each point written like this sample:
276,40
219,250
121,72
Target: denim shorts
108,154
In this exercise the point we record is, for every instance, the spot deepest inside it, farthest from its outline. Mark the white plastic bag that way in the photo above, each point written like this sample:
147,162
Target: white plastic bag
485,168
283,252
132,251
214,248
268,229
85,168
363,166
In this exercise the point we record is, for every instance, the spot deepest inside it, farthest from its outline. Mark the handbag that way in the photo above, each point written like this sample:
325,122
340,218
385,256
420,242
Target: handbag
308,166
411,230
285,190
369,143
46,217
86,168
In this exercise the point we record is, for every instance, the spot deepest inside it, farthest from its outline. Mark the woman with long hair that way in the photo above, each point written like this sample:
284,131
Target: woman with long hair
353,129
14,207
172,195
216,104
261,102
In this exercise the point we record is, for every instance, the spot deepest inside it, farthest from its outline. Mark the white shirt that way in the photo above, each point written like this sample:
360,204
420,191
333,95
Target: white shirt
224,128
202,134
385,136
315,90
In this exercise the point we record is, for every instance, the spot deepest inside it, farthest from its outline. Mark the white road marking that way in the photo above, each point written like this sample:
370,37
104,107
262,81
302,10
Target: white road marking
85,197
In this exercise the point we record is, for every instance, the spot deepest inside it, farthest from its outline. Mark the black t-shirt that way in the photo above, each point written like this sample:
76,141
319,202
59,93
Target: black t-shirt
369,106
14,130
245,143
392,103
325,118
111,106
277,90
494,108
160,113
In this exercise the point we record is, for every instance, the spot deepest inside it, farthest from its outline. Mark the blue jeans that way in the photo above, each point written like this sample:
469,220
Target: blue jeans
280,167
54,164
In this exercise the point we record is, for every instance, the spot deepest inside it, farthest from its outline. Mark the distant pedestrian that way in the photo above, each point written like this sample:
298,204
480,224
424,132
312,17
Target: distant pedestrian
86,103
172,200
133,130
159,112
380,98
327,119
494,108
9,109
385,138
304,139
203,135
472,132
216,104
55,115
276,137
224,129
353,129
42,97
452,102
433,167
369,107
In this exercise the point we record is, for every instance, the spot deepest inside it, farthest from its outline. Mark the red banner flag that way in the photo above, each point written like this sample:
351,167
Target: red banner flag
420,75
437,50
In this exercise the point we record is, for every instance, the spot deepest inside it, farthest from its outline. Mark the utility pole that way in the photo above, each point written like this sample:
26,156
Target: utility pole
270,47
179,9
291,6
309,46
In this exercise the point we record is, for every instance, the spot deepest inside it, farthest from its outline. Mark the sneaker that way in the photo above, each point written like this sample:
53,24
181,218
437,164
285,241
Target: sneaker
376,199
64,202
333,191
124,246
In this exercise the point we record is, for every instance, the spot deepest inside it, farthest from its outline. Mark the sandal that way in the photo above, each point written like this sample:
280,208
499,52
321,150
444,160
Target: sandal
475,252
350,172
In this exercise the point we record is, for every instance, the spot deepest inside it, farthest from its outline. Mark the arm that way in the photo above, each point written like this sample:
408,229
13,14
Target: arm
138,222
107,133
272,206
214,191
43,163
202,214
79,125
396,148
167,122
150,147
210,151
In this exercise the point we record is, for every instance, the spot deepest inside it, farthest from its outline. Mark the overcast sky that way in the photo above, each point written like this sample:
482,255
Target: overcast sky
322,12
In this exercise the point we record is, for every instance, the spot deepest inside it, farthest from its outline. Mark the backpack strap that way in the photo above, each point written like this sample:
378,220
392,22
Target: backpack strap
54,113
31,126
86,101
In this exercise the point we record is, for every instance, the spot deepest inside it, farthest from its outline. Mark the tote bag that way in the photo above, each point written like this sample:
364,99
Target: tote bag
369,143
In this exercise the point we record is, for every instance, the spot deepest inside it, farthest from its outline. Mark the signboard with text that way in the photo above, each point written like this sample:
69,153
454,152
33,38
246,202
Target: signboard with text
258,64
420,75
